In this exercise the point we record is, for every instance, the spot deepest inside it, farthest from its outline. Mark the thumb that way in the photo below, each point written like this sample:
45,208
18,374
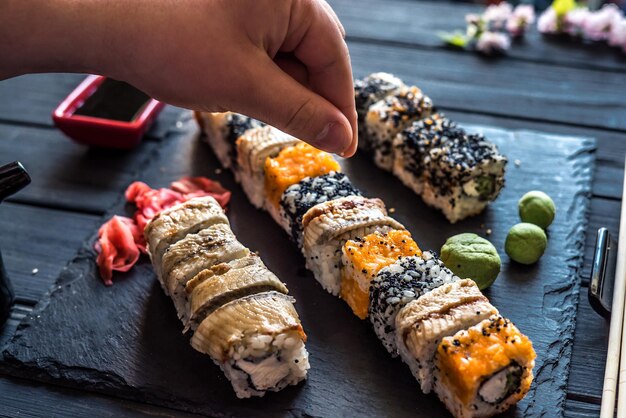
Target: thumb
272,96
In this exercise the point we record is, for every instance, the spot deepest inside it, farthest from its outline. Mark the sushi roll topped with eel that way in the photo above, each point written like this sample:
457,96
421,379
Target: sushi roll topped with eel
398,284
327,226
222,130
237,308
457,172
302,196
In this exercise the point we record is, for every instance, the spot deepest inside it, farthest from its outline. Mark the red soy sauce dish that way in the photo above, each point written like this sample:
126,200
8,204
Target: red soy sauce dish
108,113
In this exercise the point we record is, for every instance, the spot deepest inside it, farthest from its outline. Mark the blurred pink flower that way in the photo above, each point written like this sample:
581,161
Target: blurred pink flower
597,26
547,22
492,42
496,15
522,17
575,20
617,37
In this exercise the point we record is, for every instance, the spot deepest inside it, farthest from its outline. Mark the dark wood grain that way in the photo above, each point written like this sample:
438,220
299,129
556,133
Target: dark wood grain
29,101
53,401
416,24
577,409
470,82
42,239
67,175
589,353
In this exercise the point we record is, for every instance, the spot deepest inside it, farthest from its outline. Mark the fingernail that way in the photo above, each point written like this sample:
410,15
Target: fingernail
333,138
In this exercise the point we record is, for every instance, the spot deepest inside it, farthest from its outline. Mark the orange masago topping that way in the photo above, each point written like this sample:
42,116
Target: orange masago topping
294,164
364,257
472,355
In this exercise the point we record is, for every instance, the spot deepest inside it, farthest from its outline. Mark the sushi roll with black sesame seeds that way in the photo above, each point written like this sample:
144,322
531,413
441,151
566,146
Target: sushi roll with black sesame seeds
327,227
482,371
387,117
370,90
398,284
221,130
456,172
423,323
363,257
302,196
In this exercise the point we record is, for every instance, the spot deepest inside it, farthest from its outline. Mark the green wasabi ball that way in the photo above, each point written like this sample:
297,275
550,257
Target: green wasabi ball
525,243
471,257
537,208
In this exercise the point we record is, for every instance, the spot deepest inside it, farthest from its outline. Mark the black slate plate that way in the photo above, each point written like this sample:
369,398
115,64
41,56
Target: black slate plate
126,340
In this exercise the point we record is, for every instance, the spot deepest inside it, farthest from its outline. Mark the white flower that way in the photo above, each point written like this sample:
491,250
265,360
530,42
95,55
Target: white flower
617,37
522,17
491,42
547,22
598,25
575,20
496,15
472,19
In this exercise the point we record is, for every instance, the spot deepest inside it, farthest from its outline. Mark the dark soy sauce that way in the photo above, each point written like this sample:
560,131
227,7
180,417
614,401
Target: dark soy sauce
114,100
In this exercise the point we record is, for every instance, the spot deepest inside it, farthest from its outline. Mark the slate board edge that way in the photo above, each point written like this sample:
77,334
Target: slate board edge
559,363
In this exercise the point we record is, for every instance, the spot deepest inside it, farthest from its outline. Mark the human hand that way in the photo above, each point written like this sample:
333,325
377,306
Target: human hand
281,61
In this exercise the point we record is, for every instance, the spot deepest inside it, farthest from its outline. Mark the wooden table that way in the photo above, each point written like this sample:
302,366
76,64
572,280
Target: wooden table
550,85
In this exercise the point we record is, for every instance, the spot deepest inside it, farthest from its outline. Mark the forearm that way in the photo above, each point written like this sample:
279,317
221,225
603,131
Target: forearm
57,35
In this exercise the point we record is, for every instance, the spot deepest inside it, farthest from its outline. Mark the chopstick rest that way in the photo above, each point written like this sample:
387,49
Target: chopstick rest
600,292
13,177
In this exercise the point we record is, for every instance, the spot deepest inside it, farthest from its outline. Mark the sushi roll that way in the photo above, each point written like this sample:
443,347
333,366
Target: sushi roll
194,253
225,282
482,371
362,258
398,284
456,172
221,130
253,148
327,227
238,309
370,90
386,118
302,196
257,341
290,166
173,224
423,323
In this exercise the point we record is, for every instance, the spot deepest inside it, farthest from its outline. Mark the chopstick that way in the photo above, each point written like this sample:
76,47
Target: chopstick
617,330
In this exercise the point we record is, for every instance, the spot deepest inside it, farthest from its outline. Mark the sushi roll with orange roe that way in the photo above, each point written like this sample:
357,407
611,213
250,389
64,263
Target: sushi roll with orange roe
289,167
364,257
253,148
482,371
329,225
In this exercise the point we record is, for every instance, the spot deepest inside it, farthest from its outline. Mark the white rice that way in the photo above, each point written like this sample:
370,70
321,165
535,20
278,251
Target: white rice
262,362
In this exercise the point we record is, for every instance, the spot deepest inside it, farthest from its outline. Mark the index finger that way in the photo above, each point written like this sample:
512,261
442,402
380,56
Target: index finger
317,41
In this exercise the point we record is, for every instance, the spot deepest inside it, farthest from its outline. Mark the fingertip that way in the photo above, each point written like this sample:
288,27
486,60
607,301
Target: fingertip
335,137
